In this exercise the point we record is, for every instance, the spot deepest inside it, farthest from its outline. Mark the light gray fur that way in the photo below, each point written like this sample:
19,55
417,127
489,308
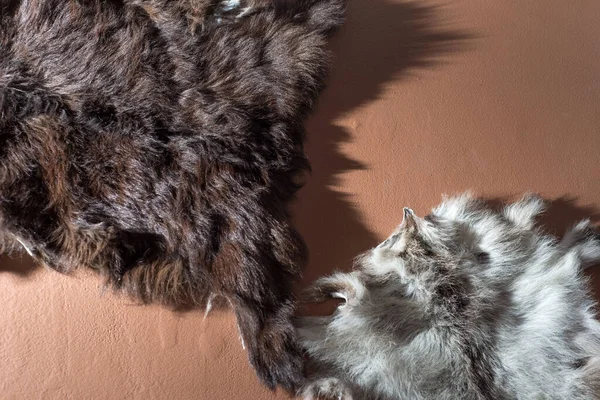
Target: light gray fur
467,303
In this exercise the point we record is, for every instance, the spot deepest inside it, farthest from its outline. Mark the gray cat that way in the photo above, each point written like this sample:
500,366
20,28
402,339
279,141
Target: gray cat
467,303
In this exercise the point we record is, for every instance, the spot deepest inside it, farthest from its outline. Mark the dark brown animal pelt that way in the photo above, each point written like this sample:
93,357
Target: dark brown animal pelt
159,142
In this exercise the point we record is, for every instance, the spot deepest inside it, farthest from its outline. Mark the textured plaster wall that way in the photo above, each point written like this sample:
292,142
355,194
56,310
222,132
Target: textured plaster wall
425,97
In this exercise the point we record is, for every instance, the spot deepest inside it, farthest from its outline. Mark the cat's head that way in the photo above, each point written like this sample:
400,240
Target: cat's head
446,236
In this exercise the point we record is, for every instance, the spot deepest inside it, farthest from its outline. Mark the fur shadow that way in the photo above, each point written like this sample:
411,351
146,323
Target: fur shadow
18,264
561,215
381,41
564,212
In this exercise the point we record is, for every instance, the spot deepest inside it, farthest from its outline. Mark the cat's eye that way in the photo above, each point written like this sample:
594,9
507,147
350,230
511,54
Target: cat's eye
428,252
384,243
482,257
430,218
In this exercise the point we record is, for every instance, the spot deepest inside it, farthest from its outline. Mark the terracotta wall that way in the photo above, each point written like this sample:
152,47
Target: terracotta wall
425,98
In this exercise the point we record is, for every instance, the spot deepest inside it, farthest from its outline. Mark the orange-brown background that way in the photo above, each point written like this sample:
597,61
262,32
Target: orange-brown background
425,98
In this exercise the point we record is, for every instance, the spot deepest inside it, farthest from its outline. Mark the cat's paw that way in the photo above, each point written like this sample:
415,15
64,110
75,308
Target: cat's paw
584,241
325,389
347,287
523,212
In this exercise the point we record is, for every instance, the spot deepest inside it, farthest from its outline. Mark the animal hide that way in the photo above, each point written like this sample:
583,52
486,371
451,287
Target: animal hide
159,142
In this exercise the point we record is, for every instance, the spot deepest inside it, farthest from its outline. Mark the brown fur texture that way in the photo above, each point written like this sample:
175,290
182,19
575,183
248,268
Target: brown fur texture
159,142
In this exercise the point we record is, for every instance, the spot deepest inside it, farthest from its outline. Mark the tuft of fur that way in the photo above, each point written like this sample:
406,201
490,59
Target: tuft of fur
159,142
467,303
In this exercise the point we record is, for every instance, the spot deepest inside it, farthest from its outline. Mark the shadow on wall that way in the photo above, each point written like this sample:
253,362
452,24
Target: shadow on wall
382,41
563,213
20,265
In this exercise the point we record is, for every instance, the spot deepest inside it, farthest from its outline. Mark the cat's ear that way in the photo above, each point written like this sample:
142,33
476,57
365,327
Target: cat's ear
410,225
410,222
405,232
410,219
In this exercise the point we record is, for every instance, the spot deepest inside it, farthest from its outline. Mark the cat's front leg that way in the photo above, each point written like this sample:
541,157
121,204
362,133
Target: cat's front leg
347,287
